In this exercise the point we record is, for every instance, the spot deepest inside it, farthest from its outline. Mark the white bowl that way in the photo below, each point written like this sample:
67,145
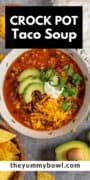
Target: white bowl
81,115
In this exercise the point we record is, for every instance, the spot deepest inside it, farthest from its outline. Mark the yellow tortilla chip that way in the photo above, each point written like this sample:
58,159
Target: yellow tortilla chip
44,176
6,136
7,156
10,146
2,26
5,175
15,158
1,56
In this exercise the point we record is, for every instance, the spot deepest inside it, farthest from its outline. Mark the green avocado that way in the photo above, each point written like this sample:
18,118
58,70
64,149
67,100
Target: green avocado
73,151
26,82
29,90
28,72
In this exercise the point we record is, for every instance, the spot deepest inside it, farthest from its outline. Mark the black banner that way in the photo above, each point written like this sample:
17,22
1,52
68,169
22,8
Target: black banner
48,27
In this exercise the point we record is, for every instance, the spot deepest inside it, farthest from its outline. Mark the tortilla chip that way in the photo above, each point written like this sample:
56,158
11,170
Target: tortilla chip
2,26
1,56
6,136
15,158
10,147
44,176
5,175
7,156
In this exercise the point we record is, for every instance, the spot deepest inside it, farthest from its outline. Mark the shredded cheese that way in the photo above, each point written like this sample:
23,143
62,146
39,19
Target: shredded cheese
48,111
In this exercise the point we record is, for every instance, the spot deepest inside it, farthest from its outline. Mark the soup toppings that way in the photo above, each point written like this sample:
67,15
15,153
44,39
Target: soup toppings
44,89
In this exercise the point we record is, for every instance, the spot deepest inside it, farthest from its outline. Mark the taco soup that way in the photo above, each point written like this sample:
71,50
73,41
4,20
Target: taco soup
44,89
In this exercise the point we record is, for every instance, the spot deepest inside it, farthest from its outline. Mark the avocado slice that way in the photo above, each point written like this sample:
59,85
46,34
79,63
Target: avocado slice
28,72
30,89
71,148
26,82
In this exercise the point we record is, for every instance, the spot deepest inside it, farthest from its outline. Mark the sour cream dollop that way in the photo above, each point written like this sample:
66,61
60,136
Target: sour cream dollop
52,91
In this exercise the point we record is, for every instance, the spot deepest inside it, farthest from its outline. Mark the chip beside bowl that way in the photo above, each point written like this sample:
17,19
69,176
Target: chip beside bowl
10,150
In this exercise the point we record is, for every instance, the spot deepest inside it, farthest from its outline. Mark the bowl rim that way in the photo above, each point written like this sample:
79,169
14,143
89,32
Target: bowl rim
12,55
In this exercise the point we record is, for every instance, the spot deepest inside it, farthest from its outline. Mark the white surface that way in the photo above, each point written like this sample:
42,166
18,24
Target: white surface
59,166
